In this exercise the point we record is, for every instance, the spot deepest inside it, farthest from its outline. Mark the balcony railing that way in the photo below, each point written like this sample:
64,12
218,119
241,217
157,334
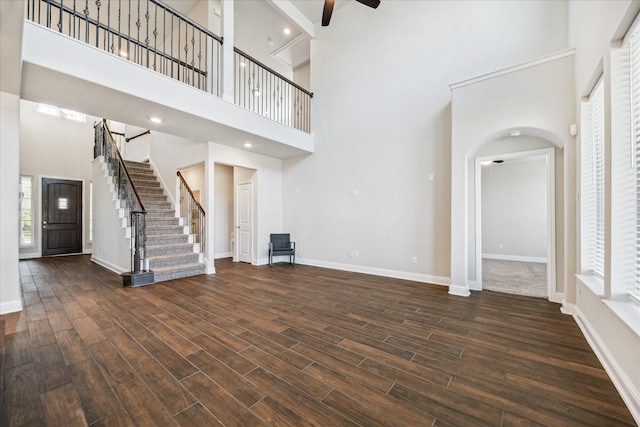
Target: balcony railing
162,39
264,91
146,32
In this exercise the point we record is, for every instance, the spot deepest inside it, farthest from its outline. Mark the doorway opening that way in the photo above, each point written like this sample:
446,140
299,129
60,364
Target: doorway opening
515,222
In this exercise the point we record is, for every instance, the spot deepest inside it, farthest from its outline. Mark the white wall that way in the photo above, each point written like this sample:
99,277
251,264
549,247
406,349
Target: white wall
54,147
267,189
514,210
536,99
302,76
10,294
382,121
170,153
111,244
610,325
223,214
194,176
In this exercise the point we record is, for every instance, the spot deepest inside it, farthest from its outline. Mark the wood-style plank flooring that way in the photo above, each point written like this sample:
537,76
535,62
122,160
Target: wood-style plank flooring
290,346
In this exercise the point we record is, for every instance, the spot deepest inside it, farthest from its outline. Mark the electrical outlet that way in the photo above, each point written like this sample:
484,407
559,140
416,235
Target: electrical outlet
357,255
499,245
351,254
414,260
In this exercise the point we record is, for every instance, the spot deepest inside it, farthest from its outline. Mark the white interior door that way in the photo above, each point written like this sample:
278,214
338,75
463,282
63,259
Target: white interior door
244,222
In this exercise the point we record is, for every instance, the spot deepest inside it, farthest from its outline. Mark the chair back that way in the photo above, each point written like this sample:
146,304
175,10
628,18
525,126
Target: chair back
280,241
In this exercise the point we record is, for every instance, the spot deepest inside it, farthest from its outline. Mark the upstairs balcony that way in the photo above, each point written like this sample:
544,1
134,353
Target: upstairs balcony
95,56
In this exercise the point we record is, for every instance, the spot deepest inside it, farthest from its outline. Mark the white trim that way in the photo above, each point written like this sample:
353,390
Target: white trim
567,307
405,275
519,258
621,381
10,306
549,155
165,188
514,68
30,255
557,297
459,290
108,265
219,255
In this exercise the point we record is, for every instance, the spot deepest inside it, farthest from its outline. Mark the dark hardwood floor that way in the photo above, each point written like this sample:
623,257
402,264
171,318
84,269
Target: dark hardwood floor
292,346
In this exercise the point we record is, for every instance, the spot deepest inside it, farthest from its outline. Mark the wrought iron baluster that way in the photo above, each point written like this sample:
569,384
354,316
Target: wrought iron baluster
60,16
138,24
155,36
146,40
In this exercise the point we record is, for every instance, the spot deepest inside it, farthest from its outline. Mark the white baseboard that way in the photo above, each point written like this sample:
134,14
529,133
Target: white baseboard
515,258
219,255
629,393
416,277
29,255
557,297
473,285
109,266
459,290
10,306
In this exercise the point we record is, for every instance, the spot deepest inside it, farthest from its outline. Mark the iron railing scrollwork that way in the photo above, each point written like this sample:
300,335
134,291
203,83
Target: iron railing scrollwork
191,209
264,91
146,32
162,39
105,145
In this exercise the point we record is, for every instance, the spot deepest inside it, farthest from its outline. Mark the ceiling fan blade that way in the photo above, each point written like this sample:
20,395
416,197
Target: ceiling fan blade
327,11
371,3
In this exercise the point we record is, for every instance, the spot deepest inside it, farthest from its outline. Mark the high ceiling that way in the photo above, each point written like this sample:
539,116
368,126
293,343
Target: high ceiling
259,30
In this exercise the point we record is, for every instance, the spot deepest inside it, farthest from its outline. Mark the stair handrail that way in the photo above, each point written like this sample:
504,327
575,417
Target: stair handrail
126,191
192,202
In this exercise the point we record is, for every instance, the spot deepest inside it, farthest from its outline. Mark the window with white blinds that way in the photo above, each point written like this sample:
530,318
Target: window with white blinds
597,102
635,140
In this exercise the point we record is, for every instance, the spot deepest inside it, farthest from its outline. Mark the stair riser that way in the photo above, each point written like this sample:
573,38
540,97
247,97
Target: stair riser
144,183
157,205
157,240
154,199
162,222
162,251
161,277
176,260
154,231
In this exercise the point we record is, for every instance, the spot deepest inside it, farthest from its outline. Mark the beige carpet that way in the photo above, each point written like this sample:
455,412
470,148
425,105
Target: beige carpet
515,277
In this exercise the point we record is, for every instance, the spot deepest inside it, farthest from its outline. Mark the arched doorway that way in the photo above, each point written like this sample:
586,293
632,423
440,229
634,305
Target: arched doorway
529,233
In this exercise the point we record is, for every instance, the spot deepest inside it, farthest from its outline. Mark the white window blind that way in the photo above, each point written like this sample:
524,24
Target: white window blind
635,137
597,101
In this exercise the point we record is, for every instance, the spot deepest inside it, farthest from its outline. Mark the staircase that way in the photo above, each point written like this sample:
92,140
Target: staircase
169,248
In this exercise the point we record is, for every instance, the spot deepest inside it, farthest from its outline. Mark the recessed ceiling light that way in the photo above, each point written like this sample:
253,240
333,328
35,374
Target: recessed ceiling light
515,133
248,144
155,119
287,31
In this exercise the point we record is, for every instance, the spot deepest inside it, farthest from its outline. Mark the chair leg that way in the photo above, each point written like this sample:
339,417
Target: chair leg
270,259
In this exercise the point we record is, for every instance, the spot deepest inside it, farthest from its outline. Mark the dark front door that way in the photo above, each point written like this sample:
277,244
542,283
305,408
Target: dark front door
61,216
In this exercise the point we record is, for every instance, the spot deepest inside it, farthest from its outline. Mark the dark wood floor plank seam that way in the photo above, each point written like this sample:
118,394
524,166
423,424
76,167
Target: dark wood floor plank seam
290,346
